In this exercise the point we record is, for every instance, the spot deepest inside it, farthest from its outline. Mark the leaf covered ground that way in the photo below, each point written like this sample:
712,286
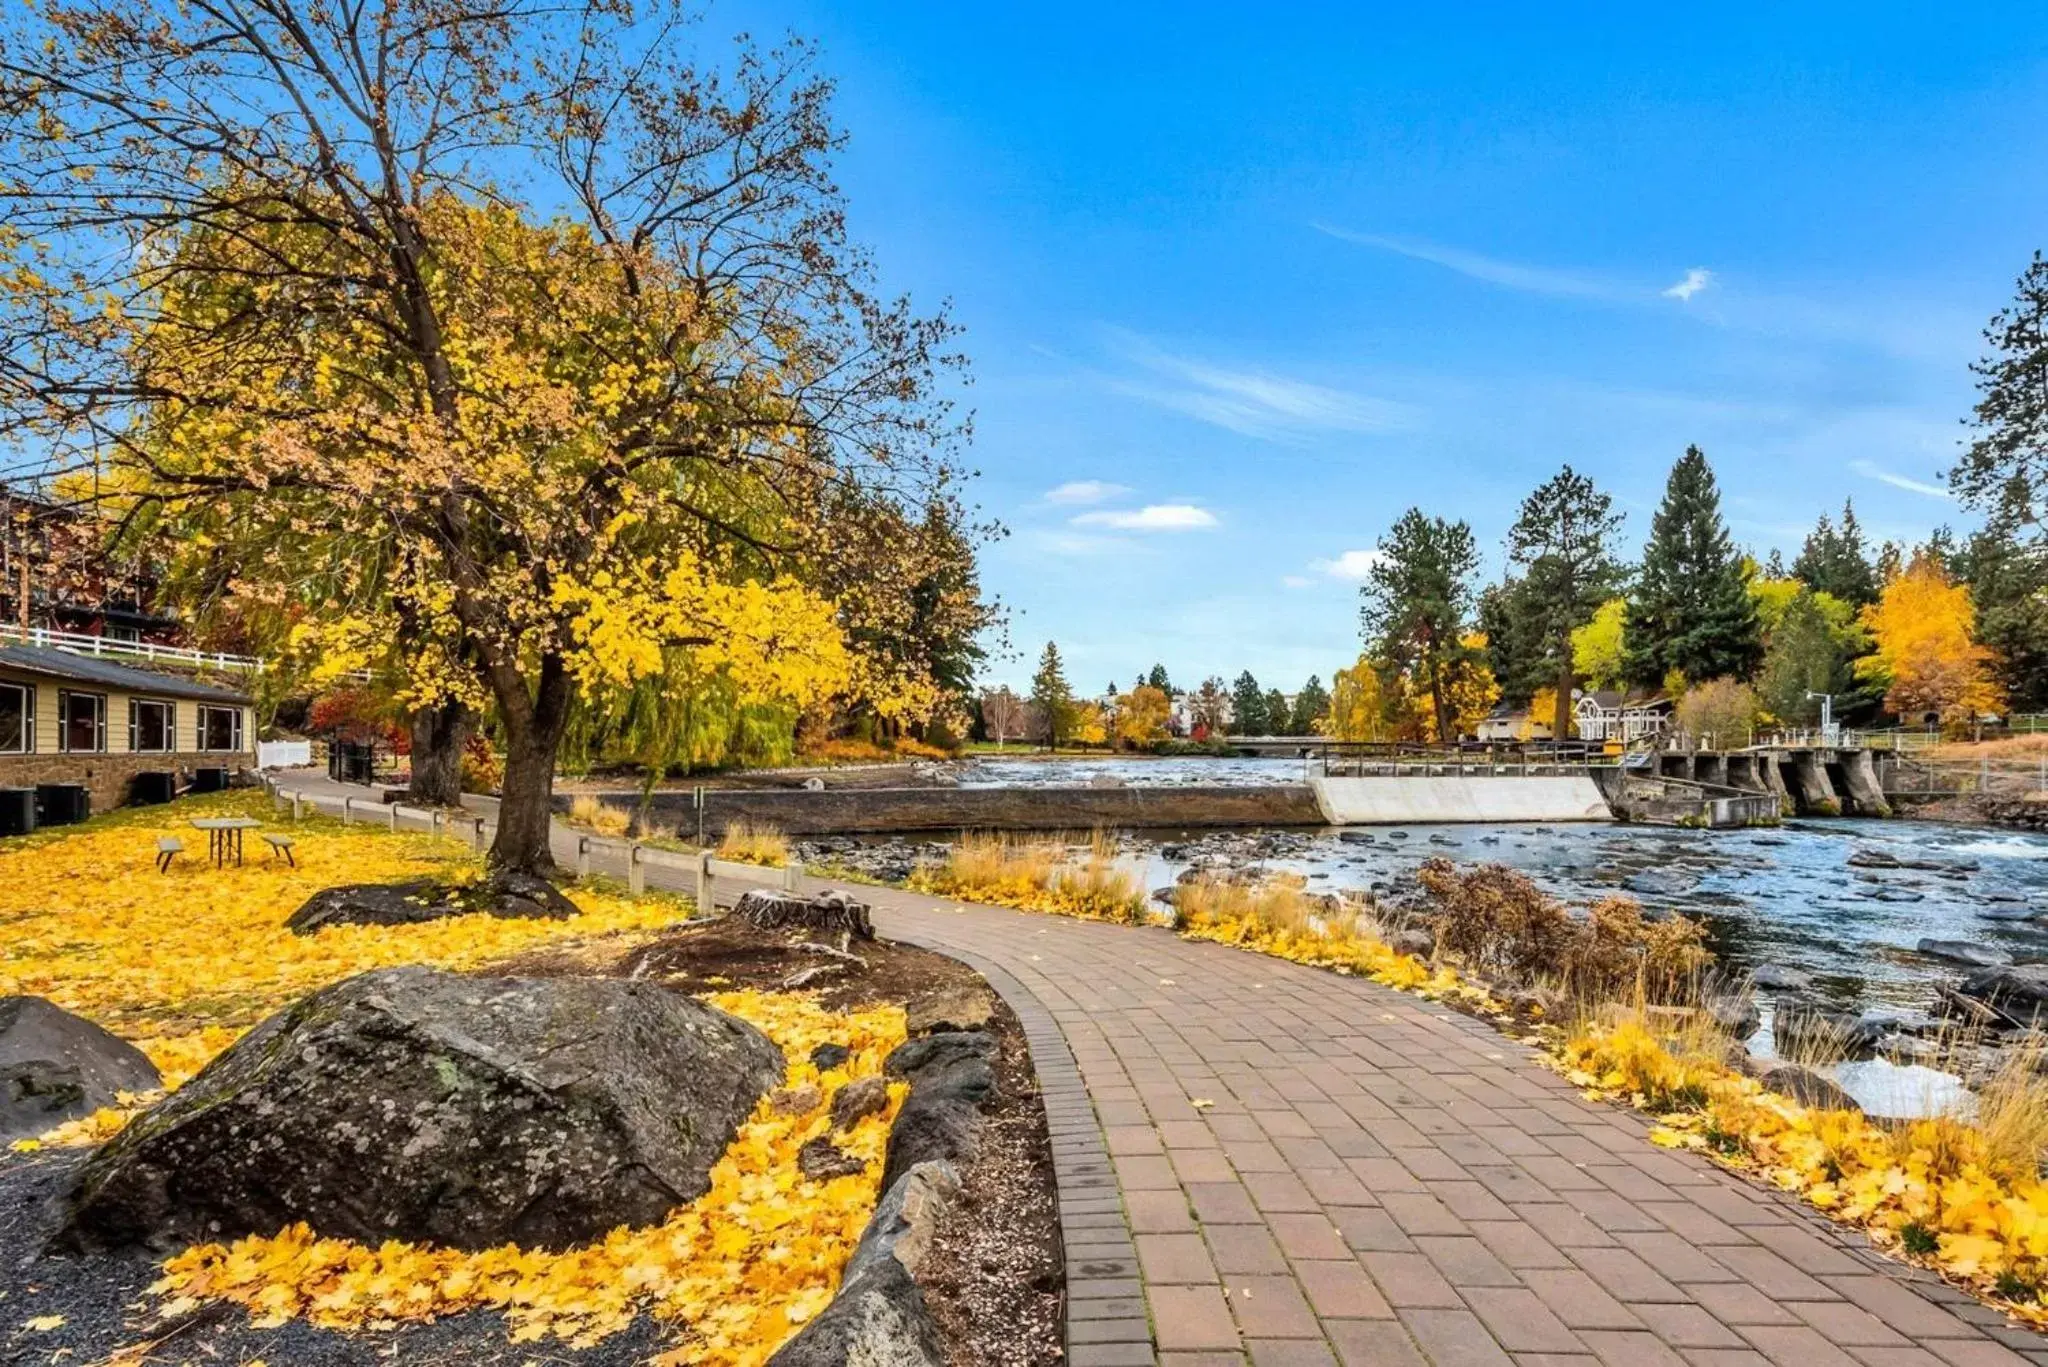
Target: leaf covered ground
182,963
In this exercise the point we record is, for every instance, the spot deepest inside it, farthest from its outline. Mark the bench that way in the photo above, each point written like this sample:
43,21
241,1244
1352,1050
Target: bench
167,847
281,845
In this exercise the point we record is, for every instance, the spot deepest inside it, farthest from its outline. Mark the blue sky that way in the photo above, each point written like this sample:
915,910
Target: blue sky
1240,285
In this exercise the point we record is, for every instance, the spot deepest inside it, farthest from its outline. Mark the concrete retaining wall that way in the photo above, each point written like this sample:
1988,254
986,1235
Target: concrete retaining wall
1398,801
858,811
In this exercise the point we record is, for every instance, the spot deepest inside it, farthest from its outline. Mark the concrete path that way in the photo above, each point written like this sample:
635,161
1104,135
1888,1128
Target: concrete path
1309,1169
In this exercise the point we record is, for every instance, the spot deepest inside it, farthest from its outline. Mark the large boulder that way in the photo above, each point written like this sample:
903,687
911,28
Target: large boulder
55,1067
516,896
2017,992
415,1104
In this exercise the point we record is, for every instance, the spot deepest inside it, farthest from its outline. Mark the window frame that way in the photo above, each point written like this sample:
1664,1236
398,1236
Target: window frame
99,701
234,729
135,706
28,717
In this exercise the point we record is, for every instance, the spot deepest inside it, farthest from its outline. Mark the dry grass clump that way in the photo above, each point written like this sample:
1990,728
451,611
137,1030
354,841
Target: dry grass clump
1277,917
747,842
1501,924
1040,873
599,816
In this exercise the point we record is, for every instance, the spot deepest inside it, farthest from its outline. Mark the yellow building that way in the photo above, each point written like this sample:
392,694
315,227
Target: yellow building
69,718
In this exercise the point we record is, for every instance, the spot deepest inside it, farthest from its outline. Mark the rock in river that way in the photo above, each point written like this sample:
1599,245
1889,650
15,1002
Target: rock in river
1778,978
2017,992
1964,952
1808,1031
415,1104
55,1067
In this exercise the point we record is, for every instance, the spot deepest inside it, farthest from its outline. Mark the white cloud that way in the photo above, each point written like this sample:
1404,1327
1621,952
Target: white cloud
1353,565
1696,279
1084,491
1153,517
1870,471
1252,402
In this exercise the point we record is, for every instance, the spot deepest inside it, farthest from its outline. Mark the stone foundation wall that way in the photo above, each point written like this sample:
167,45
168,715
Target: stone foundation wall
107,777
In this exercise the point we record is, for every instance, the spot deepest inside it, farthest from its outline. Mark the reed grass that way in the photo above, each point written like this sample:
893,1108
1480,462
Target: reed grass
1040,873
599,816
749,842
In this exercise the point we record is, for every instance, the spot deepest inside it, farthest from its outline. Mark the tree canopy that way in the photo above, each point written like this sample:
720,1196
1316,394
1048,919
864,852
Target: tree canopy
1562,542
1417,597
1834,560
504,348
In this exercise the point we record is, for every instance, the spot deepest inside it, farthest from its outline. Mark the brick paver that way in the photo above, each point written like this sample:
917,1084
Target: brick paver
1268,1164
1315,1169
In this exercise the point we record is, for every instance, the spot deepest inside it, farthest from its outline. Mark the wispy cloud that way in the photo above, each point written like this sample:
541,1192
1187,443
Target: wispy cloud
1871,471
1696,279
1513,275
1251,401
1296,581
1081,492
1153,517
1353,565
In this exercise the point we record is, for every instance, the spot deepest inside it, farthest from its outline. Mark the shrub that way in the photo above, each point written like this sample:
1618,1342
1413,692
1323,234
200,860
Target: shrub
1499,922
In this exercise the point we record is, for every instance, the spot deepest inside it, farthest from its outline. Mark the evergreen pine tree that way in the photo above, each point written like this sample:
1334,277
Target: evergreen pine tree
1279,716
1311,705
1248,707
1562,542
1691,610
1157,679
1835,561
1416,599
1053,698
1512,651
1774,565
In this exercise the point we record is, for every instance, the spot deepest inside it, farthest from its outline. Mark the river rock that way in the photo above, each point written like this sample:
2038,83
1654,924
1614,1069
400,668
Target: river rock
55,1067
1807,1087
1735,1016
1812,1032
1895,895
1416,941
1778,978
878,1317
1965,952
1875,859
415,1104
2017,992
2006,913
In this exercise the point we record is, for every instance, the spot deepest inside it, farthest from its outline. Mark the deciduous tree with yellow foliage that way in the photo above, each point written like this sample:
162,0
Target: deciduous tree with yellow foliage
271,270
1925,652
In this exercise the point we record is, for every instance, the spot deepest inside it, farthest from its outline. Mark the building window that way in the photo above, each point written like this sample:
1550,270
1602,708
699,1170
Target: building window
152,726
220,728
17,719
82,721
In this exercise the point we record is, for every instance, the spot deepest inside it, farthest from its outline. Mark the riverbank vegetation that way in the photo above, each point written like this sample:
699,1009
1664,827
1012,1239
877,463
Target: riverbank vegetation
1039,873
1962,1193
753,842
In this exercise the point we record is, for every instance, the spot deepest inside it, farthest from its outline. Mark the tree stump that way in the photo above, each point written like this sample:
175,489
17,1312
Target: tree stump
830,913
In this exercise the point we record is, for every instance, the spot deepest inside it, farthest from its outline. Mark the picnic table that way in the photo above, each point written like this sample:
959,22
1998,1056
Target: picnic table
224,834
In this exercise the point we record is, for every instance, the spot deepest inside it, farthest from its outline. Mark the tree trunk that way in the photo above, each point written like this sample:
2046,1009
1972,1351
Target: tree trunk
1436,702
1561,725
439,736
533,736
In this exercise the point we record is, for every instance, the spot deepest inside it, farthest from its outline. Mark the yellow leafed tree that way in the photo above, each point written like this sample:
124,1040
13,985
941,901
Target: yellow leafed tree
1141,716
1358,709
1922,629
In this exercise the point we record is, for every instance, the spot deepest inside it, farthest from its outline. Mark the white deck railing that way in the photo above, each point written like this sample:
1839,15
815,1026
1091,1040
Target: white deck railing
109,647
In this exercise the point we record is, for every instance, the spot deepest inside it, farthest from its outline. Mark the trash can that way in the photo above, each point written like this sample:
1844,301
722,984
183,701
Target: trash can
61,804
17,811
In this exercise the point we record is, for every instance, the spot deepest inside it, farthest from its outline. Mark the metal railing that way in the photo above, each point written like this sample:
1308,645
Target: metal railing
1375,759
111,647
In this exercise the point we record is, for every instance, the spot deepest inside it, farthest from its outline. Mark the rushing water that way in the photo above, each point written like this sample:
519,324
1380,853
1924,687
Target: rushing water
1788,897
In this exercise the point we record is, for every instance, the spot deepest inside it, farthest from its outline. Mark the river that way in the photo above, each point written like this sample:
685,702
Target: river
1788,897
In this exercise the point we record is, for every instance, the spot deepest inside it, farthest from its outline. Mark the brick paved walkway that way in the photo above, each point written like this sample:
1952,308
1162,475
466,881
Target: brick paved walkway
1379,1180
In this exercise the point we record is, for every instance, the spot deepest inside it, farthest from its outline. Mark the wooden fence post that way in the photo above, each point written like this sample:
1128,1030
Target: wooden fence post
583,856
636,872
703,882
